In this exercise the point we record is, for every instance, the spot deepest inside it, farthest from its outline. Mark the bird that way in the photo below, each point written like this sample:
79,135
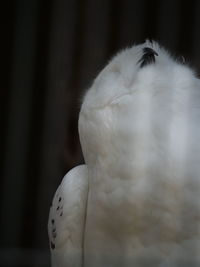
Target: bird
136,200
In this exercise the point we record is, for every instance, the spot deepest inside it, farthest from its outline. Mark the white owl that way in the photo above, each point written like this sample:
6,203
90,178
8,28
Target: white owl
136,201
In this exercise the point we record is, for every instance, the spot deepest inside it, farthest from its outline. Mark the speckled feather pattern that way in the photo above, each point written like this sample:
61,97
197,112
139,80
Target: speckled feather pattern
139,128
67,219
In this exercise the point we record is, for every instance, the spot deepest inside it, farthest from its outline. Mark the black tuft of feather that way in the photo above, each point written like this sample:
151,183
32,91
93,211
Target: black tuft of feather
148,57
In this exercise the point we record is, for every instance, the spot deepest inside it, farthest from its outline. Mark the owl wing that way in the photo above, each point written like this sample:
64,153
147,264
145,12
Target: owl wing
67,219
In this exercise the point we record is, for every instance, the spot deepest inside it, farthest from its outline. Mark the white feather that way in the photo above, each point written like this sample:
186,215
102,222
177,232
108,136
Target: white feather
67,219
139,129
140,135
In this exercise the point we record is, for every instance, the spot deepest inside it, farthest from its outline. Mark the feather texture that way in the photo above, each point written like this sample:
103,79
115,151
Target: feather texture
67,219
139,128
148,57
140,135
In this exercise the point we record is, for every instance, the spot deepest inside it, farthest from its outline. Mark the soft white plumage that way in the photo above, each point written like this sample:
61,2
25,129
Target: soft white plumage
67,219
139,128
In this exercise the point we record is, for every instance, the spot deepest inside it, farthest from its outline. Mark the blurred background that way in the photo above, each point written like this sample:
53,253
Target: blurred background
51,52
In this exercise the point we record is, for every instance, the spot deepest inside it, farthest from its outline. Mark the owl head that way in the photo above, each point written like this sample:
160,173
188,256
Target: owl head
138,79
140,67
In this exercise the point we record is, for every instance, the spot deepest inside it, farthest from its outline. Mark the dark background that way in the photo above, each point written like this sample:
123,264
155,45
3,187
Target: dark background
51,51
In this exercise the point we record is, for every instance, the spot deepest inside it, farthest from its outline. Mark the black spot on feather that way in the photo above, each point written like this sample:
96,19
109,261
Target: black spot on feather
52,245
148,57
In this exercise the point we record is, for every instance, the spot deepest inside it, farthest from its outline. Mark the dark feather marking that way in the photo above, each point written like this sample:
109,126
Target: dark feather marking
52,245
148,57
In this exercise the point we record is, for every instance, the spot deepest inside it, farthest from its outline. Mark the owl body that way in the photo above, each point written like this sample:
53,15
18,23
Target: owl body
141,140
139,128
